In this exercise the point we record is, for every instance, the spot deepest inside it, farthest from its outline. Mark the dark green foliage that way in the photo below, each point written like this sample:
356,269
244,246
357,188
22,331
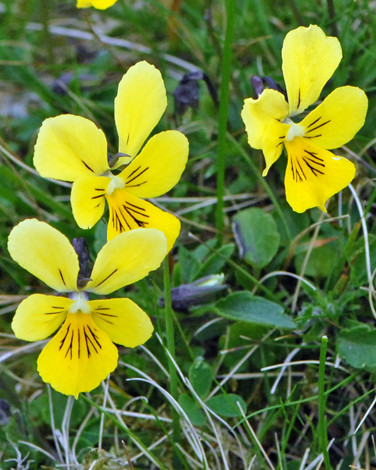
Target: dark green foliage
265,317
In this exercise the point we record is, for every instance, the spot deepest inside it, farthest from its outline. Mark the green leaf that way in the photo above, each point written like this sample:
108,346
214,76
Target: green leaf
296,222
188,265
57,208
100,236
226,405
243,306
257,236
358,263
320,264
195,415
200,375
357,345
215,262
40,409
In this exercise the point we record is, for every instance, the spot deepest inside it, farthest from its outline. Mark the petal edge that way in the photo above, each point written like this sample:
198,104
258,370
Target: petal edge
139,105
313,175
85,355
46,253
69,147
309,59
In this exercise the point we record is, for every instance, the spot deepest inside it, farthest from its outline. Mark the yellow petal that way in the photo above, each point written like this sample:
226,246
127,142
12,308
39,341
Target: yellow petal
46,253
123,320
99,4
126,259
88,200
337,119
78,357
159,166
69,147
39,316
309,59
128,212
139,105
263,122
313,175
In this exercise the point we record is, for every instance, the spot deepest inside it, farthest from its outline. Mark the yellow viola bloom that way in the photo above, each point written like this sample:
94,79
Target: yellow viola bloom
313,174
72,148
82,353
99,4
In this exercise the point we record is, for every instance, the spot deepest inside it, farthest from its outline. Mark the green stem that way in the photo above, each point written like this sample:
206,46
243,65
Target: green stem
123,427
332,16
265,185
45,14
171,349
322,426
245,273
223,113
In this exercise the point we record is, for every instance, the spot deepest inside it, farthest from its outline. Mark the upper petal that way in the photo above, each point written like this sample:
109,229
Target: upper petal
127,258
309,59
313,175
263,122
99,4
123,320
139,105
88,200
159,166
38,316
128,212
78,357
69,147
337,119
46,253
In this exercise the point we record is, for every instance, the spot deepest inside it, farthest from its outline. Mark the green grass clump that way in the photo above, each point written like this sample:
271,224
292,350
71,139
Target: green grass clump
251,383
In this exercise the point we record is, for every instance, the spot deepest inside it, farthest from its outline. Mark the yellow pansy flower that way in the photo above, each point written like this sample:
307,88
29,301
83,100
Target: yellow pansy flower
99,4
72,148
313,173
82,353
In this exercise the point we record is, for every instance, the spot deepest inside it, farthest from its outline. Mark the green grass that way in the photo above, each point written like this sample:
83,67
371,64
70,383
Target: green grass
171,403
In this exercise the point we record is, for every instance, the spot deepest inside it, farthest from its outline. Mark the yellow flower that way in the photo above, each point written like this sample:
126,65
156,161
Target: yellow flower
313,173
72,148
99,4
82,353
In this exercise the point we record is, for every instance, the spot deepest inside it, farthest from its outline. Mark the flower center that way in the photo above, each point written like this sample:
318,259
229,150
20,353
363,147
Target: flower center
295,130
115,183
81,302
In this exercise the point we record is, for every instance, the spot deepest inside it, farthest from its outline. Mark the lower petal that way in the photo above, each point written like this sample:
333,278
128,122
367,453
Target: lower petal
313,175
88,200
128,212
38,316
123,320
78,357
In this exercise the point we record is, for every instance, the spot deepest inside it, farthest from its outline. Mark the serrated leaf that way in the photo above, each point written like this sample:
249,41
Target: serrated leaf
256,235
357,346
244,306
227,405
200,375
